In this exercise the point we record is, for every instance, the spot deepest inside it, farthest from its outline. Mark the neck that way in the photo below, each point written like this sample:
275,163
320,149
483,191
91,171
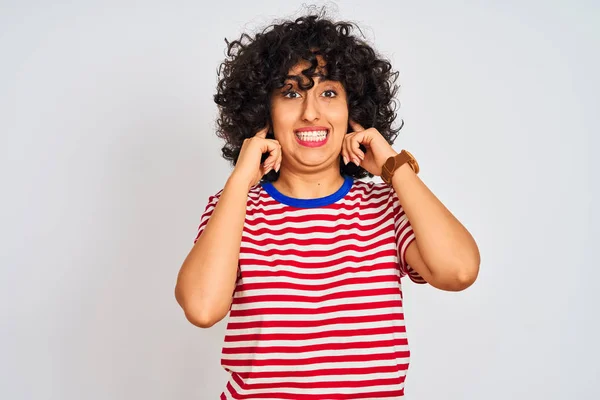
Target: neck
311,185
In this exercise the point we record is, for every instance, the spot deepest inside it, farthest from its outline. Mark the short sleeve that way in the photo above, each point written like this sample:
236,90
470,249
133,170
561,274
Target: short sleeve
208,210
404,237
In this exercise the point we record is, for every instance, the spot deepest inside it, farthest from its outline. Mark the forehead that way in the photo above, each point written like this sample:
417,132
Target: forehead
319,76
304,64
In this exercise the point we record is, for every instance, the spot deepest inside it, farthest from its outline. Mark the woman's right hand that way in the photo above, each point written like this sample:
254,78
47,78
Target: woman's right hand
248,167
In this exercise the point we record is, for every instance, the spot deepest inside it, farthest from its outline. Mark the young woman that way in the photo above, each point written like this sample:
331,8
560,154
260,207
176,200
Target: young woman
305,257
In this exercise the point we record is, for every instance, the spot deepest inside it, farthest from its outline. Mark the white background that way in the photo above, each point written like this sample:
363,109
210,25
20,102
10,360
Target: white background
108,156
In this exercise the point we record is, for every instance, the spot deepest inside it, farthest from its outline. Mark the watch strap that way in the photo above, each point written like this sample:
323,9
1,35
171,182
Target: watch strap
395,162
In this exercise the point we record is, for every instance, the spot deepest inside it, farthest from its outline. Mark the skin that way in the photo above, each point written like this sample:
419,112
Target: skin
444,253
309,172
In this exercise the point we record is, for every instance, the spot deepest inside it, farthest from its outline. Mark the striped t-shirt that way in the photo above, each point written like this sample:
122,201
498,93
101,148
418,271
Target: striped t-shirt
317,310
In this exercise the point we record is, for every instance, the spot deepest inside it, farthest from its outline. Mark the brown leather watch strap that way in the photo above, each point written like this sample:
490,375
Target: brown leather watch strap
395,162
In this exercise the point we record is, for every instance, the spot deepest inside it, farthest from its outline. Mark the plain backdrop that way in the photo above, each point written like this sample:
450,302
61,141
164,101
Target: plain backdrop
108,156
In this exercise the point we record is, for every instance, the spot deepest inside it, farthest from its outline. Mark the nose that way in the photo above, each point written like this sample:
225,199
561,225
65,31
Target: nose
311,111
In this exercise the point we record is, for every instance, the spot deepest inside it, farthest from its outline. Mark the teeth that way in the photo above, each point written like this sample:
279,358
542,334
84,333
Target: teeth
312,136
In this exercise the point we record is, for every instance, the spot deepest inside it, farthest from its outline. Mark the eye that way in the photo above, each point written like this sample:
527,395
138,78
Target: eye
287,94
334,93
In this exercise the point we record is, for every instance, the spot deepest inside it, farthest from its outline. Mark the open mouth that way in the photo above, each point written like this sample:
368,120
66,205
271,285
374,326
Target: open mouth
312,138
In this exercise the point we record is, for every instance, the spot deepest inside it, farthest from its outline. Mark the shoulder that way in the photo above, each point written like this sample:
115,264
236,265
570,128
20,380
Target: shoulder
371,191
216,196
253,194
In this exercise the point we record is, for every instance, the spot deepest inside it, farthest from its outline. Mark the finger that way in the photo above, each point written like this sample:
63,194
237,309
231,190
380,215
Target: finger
278,162
263,132
346,149
343,152
350,153
355,126
277,157
274,149
345,158
354,150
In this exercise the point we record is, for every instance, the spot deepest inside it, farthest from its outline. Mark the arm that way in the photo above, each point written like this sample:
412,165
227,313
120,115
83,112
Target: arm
444,253
208,275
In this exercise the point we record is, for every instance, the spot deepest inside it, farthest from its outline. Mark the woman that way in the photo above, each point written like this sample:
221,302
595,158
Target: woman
306,257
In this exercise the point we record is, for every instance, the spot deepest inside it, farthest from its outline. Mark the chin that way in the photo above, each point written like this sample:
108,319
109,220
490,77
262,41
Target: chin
317,162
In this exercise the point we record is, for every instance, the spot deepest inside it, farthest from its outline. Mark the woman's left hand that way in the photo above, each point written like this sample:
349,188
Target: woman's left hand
378,149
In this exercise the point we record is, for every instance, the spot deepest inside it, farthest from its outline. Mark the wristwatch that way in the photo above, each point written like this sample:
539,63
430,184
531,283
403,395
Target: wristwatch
395,162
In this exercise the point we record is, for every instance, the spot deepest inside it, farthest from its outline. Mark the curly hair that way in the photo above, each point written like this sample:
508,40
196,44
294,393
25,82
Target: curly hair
254,67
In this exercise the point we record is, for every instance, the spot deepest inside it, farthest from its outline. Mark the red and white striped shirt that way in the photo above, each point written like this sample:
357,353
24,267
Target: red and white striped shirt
317,310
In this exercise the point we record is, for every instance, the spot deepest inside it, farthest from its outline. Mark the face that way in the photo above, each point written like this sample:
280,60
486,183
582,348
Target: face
310,125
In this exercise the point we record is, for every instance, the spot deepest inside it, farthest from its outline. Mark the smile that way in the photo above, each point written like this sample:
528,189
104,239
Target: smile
312,138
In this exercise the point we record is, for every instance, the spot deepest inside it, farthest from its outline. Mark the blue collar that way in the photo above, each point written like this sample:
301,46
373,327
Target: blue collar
309,203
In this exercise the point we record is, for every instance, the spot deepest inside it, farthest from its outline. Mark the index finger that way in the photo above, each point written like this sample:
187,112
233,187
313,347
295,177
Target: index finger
263,132
356,126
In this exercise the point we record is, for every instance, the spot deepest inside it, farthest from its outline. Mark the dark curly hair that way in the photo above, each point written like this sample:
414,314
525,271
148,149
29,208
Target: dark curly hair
254,67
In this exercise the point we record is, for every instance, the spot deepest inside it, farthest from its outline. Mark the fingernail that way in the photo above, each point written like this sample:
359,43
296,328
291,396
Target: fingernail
345,160
361,157
277,167
355,161
268,170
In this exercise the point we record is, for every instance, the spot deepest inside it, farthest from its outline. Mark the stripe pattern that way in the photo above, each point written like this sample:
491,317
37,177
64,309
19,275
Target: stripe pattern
317,312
